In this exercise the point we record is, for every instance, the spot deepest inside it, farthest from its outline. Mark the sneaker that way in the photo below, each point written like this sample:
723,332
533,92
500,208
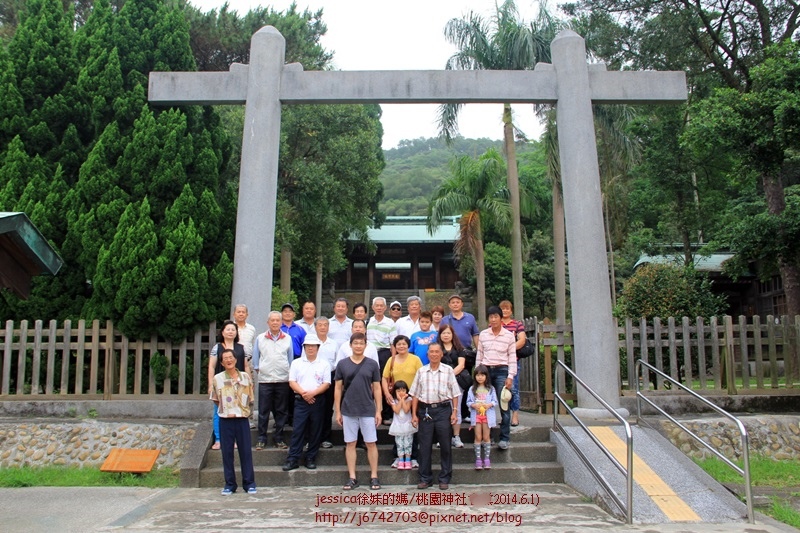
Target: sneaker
327,444
216,446
478,464
227,492
407,465
457,442
260,445
252,490
305,447
396,463
414,463
280,444
487,464
503,445
438,445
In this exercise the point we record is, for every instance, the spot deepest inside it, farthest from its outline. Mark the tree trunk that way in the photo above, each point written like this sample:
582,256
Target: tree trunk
286,269
318,287
480,282
516,230
790,274
559,255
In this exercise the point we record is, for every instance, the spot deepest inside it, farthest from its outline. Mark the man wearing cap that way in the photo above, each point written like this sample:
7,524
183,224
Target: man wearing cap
309,378
497,351
464,324
409,324
293,330
395,310
434,394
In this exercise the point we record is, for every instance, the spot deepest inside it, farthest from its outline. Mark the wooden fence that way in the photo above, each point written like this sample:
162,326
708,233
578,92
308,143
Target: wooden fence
91,360
94,360
727,356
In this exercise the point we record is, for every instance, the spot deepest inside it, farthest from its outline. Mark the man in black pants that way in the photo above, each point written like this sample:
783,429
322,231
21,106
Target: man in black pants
433,410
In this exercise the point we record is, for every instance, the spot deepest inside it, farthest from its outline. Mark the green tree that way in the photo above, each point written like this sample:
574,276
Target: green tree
328,182
504,43
728,40
476,192
131,274
657,290
761,126
221,37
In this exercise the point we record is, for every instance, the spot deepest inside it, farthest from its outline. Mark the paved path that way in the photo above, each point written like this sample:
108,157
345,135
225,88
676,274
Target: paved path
557,509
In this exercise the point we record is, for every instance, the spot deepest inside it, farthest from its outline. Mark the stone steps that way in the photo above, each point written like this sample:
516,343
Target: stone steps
336,475
530,459
525,452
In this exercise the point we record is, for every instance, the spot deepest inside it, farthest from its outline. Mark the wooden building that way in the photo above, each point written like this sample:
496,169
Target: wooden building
406,257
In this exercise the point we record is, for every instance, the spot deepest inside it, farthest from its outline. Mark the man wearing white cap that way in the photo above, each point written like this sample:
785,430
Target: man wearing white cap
309,378
395,310
497,351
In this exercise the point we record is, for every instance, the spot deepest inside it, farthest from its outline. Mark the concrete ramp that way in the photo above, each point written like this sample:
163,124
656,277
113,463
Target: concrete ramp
668,487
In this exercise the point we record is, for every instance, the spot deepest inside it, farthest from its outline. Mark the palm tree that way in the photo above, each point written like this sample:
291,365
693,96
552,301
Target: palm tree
476,192
504,43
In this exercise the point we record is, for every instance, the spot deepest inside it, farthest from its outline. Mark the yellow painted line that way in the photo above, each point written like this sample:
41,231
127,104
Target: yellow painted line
670,503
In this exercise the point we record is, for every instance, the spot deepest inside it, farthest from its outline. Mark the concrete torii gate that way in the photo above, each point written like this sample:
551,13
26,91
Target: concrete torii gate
569,82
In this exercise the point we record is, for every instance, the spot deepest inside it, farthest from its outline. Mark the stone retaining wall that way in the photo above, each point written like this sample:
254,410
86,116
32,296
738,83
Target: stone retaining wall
771,436
88,442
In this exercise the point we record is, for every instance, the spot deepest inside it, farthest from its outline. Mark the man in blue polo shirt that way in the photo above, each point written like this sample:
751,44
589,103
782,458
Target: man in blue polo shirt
464,324
289,327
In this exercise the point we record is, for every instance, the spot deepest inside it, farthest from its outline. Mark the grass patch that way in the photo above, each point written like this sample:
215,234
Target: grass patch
764,471
783,512
65,476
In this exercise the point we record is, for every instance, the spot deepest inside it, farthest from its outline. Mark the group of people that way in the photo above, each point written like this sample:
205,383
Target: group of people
410,372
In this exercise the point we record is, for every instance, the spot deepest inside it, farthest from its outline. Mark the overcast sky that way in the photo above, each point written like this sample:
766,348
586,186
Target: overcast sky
407,35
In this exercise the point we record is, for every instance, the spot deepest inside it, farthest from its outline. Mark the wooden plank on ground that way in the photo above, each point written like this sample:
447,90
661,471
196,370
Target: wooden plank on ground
130,460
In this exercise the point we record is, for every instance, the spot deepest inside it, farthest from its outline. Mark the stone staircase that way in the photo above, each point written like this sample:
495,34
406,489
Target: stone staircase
530,459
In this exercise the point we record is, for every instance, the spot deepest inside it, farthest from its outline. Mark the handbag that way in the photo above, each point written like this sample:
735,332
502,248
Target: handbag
464,379
526,350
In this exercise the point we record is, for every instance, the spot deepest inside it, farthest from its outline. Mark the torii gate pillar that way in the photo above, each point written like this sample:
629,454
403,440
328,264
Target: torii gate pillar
595,340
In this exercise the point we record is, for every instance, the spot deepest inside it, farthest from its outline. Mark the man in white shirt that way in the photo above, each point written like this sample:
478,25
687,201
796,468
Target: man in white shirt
309,378
306,321
345,350
247,334
409,324
340,325
327,351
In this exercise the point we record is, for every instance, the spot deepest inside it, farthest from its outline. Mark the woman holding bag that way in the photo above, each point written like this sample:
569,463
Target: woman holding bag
454,357
402,366
518,329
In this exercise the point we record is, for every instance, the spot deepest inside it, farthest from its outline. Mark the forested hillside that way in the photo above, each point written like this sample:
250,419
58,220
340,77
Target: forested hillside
417,167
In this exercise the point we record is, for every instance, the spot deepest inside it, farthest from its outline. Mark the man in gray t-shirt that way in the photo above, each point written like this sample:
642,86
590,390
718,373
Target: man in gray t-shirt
357,403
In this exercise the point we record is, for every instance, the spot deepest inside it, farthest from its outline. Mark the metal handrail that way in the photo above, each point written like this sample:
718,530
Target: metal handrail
742,430
627,508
